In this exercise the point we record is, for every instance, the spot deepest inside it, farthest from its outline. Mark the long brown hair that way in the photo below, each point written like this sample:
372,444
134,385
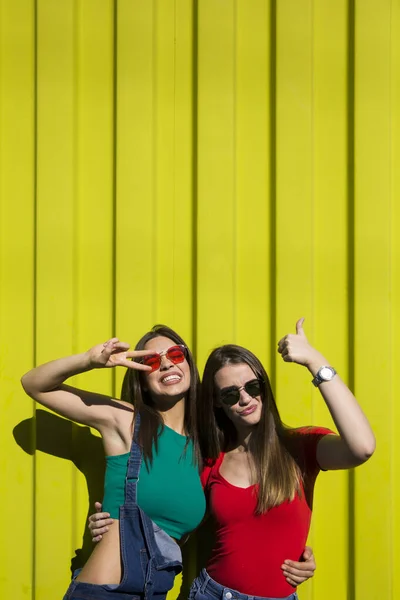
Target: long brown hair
276,471
151,422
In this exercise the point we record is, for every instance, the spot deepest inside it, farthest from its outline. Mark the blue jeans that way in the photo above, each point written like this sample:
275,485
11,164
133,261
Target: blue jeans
205,588
150,557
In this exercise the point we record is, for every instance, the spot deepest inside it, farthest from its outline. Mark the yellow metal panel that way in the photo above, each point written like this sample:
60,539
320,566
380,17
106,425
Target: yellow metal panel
17,130
184,242
55,481
294,196
392,433
372,311
253,179
330,270
165,231
93,237
216,163
135,301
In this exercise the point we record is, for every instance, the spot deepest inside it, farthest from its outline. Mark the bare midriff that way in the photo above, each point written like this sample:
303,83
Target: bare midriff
104,564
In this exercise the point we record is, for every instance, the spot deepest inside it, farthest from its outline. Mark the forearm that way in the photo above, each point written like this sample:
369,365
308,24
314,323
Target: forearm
51,375
347,414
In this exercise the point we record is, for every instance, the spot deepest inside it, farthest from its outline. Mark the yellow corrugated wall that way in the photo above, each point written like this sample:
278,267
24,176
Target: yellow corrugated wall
222,166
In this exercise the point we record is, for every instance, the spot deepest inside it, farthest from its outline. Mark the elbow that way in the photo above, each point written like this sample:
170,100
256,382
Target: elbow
371,447
25,384
365,452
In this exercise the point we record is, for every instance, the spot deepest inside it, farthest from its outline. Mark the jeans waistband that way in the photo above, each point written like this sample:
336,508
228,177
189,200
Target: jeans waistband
219,592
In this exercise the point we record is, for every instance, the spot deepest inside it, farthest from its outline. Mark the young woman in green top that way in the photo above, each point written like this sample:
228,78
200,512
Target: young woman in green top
162,388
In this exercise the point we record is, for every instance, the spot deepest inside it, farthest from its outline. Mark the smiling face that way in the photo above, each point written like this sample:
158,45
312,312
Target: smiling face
247,410
170,379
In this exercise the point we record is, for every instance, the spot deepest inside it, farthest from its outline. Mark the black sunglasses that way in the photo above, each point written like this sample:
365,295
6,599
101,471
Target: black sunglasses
231,395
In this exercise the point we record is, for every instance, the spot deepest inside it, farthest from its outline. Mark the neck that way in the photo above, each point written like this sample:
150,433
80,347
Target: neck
174,416
243,438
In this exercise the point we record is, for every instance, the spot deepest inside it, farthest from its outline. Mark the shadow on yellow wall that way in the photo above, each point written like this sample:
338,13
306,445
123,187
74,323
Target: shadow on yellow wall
61,438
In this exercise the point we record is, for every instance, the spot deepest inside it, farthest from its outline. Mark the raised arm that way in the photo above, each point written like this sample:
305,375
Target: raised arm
356,442
45,383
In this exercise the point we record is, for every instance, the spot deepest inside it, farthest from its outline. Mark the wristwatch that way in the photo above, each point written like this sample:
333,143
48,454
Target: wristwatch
324,374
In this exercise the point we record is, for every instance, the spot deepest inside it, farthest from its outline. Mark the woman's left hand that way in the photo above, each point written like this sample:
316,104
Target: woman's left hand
298,572
295,348
99,523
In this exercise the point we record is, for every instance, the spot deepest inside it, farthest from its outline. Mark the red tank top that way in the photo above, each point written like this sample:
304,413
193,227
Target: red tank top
250,549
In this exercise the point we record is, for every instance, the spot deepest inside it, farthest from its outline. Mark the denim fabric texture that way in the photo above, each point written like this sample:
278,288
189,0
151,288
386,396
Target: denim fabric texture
205,588
151,558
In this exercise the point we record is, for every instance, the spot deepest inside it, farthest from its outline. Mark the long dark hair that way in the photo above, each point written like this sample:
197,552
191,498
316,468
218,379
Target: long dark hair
151,422
276,471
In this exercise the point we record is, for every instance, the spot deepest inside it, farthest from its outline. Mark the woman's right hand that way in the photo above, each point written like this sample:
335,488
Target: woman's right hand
99,523
114,353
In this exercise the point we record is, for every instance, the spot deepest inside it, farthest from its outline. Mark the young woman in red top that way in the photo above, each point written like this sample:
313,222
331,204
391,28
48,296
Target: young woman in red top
260,475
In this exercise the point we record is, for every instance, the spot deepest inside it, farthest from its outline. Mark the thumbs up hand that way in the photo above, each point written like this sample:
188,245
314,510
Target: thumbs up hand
296,348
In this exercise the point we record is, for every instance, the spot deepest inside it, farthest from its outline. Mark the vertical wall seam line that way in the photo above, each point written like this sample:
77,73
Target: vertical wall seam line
234,178
154,162
75,236
195,49
35,276
272,188
313,203
114,181
174,172
351,67
392,437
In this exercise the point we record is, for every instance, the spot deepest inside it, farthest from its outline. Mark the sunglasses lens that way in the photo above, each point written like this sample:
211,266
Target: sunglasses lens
176,355
153,361
253,388
230,397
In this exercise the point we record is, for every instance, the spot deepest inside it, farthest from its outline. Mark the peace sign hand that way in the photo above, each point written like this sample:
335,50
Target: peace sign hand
114,353
296,348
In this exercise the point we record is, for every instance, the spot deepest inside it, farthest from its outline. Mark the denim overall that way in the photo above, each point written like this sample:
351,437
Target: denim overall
150,557
205,588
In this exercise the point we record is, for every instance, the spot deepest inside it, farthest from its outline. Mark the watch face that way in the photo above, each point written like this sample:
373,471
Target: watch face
326,373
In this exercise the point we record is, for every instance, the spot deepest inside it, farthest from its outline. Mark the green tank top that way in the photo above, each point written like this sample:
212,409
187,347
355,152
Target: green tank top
169,492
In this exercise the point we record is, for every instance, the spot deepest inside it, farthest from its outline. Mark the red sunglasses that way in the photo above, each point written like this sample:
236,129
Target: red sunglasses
176,354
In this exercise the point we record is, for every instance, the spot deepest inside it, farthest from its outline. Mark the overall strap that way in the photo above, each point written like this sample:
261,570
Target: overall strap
134,462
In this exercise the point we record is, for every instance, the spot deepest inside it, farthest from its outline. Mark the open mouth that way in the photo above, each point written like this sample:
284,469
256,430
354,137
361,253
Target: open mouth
171,379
